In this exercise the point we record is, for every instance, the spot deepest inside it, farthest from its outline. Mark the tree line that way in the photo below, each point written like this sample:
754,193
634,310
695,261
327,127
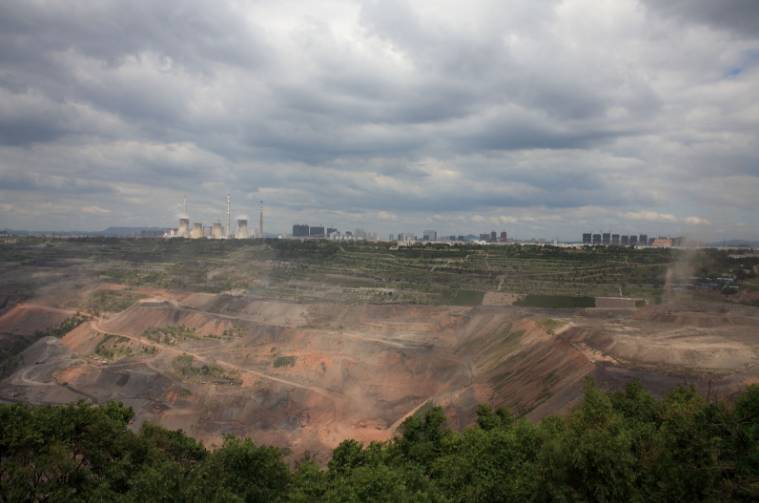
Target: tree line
614,446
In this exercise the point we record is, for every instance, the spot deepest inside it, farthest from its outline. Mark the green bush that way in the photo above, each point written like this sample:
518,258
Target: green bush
284,361
65,327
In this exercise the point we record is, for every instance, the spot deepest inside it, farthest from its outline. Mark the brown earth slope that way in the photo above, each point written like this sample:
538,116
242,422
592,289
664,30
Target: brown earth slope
307,376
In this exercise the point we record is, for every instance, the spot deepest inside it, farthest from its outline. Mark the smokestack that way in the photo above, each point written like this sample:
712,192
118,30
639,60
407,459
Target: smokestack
261,221
229,221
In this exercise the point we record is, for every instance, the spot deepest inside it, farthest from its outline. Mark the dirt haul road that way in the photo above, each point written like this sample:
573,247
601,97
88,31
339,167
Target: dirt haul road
315,374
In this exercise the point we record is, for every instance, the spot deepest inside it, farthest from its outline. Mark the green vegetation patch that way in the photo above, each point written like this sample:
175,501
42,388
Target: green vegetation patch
65,327
111,301
460,297
556,301
549,324
187,369
236,330
113,347
284,361
170,334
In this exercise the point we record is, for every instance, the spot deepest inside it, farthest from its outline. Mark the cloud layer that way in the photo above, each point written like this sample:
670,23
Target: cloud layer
543,118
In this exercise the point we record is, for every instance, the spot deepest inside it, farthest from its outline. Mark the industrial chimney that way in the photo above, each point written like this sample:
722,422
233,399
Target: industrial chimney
261,221
228,232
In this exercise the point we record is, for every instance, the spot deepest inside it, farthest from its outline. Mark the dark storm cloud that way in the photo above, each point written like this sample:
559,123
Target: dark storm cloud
389,107
192,32
733,15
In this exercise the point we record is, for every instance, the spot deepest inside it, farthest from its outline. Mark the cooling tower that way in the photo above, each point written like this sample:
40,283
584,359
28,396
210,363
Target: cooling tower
197,230
184,228
217,231
242,229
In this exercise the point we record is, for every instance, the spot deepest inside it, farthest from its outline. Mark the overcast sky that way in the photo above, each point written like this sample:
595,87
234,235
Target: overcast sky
543,118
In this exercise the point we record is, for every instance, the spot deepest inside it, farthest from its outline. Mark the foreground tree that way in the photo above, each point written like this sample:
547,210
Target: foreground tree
623,446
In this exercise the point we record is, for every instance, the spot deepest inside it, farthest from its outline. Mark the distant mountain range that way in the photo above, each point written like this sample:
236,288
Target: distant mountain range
121,232
734,243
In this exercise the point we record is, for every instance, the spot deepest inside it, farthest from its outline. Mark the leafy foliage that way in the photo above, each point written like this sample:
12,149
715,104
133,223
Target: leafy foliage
185,366
65,327
621,446
110,301
169,334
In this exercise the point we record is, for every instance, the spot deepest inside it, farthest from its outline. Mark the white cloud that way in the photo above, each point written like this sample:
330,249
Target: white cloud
697,221
94,210
386,216
649,216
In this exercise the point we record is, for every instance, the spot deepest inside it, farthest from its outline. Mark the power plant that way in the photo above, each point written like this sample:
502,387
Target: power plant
197,231
184,228
242,229
217,230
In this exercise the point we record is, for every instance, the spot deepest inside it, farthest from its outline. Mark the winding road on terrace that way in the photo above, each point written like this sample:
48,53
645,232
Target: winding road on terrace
95,325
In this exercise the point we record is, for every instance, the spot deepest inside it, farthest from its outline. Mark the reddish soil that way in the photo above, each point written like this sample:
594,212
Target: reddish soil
311,375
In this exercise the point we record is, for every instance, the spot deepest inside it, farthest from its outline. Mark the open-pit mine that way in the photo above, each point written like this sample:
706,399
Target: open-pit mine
290,352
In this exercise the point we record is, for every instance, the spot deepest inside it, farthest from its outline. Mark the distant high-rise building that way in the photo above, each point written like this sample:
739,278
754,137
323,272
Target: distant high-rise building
429,235
596,239
643,239
615,239
330,231
587,238
625,240
504,237
391,237
300,231
493,237
316,231
606,238
662,242
633,240
485,237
